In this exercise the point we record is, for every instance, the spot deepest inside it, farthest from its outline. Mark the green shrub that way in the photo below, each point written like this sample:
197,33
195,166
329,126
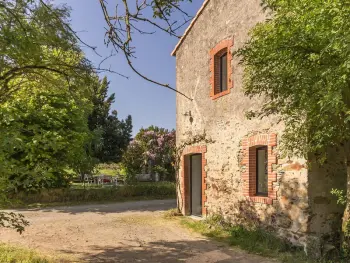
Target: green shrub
161,190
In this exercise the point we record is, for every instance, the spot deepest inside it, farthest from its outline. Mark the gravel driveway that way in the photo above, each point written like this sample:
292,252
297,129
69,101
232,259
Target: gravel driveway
121,232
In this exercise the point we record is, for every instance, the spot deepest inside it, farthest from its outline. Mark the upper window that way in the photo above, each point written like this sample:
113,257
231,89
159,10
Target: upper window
221,69
223,72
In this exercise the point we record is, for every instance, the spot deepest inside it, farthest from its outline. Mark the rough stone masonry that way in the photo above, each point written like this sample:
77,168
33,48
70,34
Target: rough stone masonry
299,205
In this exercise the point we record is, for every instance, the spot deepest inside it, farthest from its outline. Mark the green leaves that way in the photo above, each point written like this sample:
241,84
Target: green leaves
163,8
45,96
299,61
13,221
114,134
35,39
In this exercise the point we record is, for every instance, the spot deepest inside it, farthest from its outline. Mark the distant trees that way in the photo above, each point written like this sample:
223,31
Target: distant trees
114,134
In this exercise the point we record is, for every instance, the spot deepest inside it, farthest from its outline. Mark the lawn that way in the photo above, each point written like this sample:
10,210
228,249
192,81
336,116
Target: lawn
109,172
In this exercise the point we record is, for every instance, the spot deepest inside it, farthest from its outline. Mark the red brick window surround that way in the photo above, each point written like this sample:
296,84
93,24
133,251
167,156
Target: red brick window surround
249,162
221,69
184,178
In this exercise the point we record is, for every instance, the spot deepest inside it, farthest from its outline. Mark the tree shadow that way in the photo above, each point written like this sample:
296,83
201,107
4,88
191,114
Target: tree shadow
163,251
134,206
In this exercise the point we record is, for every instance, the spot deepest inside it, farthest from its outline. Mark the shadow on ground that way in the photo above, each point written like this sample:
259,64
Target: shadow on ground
168,252
138,206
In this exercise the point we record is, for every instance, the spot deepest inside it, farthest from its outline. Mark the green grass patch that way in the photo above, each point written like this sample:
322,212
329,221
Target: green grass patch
56,197
108,172
10,254
255,241
172,213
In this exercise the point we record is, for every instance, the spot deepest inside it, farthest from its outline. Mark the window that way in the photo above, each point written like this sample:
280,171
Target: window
258,175
221,69
223,72
261,171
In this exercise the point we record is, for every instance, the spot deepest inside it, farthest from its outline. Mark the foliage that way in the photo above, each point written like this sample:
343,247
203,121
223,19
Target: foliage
15,254
115,134
116,138
76,195
44,90
256,241
341,196
35,40
13,221
109,166
165,8
153,151
101,104
299,61
44,130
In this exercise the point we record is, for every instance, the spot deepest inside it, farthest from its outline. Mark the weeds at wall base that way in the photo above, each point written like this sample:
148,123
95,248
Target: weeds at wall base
256,240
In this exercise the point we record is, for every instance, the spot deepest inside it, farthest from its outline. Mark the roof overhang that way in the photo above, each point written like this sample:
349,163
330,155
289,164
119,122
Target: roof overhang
194,20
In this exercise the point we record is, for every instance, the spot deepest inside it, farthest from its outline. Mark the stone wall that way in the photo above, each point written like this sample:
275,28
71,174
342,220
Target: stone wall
223,122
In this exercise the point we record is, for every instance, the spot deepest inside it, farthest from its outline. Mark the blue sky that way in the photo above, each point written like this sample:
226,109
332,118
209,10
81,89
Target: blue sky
147,103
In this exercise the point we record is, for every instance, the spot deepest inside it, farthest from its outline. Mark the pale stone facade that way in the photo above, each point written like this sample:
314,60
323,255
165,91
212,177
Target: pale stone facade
299,205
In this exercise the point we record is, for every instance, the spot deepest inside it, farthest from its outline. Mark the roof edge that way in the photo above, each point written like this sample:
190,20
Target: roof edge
182,39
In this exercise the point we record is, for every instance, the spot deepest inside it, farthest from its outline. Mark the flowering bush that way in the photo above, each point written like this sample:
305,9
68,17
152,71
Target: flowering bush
152,151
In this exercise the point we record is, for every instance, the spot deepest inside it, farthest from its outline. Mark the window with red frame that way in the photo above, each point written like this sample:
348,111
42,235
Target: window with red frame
221,70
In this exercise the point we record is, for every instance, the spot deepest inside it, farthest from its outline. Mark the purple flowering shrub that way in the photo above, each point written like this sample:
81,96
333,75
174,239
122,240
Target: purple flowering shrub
152,151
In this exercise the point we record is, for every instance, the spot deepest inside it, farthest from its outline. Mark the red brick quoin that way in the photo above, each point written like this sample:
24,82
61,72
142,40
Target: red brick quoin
249,146
184,178
221,48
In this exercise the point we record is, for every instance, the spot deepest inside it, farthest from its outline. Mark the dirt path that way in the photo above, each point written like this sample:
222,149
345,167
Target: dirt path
123,232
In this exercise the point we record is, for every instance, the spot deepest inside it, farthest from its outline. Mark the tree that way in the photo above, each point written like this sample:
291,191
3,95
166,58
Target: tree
116,138
101,104
45,130
300,62
44,86
115,134
152,150
35,40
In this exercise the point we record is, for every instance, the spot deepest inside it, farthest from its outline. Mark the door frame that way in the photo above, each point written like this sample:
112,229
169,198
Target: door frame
184,189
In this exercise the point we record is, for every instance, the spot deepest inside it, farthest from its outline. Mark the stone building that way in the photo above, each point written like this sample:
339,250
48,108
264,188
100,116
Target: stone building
230,165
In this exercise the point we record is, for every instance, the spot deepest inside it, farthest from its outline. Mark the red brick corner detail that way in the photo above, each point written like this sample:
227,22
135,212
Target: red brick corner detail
185,191
248,163
224,46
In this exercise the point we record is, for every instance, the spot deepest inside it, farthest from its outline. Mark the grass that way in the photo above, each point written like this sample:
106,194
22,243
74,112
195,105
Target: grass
10,254
108,172
172,213
255,241
71,196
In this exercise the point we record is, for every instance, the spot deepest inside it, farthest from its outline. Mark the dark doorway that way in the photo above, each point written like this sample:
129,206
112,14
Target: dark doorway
196,184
